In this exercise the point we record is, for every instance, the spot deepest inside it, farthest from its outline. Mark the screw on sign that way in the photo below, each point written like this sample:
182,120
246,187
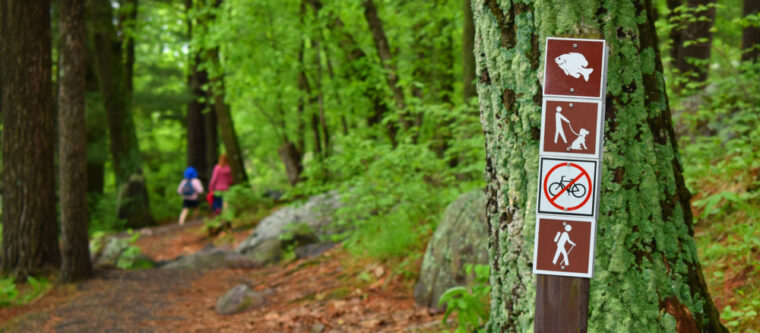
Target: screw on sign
564,247
571,128
567,187
574,67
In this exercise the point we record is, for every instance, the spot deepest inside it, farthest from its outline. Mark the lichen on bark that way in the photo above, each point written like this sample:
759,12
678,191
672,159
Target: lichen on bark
647,274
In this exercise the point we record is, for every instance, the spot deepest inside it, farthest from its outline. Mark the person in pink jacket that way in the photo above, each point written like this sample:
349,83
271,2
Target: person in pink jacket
221,180
189,188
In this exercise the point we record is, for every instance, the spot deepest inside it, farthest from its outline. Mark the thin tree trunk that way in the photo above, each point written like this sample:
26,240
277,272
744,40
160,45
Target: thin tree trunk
320,100
30,229
751,34
227,129
647,276
386,59
97,148
468,55
73,142
196,126
128,24
125,153
692,51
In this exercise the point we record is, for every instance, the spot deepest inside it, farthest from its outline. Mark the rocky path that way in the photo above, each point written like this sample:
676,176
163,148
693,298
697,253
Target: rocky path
330,293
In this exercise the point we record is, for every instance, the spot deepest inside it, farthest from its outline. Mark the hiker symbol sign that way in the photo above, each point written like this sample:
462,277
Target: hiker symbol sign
564,247
567,187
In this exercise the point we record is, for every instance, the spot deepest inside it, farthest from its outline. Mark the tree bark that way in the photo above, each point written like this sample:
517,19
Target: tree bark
751,34
468,56
30,228
691,50
73,142
386,59
125,153
647,276
197,149
128,25
97,150
227,129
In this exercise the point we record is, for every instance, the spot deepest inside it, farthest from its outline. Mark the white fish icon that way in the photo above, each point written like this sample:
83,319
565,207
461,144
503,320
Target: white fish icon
574,64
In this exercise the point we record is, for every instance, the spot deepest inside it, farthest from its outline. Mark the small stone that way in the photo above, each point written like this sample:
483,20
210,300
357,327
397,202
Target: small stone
239,299
317,328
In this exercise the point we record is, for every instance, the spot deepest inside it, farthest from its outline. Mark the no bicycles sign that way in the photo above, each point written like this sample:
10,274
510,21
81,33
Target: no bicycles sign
567,187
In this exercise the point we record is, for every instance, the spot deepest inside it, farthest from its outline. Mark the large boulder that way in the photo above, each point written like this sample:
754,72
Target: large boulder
298,224
211,258
461,238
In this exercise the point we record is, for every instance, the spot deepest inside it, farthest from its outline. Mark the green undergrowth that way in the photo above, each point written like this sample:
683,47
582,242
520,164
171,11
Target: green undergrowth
393,197
13,293
722,169
470,303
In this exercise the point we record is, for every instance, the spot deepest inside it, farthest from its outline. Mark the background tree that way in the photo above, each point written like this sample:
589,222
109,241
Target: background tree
125,153
645,265
73,142
692,40
30,228
751,33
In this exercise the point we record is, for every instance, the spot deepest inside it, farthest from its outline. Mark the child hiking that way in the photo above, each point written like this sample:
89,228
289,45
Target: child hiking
189,188
221,180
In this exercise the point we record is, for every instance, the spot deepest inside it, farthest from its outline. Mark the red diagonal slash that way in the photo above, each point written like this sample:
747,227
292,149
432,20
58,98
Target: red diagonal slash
568,186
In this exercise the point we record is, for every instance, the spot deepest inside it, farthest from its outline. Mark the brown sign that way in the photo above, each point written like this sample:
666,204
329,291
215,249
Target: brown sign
571,128
564,247
574,67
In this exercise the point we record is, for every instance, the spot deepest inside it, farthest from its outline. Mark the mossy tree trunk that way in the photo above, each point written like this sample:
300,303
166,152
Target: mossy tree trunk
125,152
647,275
30,226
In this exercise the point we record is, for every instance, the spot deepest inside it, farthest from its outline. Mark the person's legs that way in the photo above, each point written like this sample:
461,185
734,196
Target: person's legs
217,206
183,215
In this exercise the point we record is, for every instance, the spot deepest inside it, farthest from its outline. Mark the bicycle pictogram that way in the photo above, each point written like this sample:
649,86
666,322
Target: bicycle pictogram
576,190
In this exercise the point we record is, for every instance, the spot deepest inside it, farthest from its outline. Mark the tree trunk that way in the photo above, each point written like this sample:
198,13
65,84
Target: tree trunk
97,151
647,276
128,25
691,51
30,228
292,160
73,142
468,55
386,59
227,129
125,153
196,120
751,34
321,101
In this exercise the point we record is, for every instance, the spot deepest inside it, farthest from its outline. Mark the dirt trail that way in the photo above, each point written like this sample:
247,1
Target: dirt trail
330,293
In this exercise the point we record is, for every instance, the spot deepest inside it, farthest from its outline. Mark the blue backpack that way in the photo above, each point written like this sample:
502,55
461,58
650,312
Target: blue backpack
188,188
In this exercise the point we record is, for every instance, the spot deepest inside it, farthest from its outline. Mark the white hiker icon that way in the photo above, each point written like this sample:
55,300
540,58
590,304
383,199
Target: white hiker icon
562,238
574,64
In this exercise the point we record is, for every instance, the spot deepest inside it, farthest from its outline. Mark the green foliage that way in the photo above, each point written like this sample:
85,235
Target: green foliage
394,197
469,303
10,294
132,257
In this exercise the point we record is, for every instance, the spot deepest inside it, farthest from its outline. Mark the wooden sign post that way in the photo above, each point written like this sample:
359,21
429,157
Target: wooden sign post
571,142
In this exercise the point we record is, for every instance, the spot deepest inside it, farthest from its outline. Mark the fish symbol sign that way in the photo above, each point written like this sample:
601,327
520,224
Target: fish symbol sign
575,67
574,64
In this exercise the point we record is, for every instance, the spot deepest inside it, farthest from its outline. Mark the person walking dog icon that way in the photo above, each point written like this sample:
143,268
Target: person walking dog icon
562,238
558,130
